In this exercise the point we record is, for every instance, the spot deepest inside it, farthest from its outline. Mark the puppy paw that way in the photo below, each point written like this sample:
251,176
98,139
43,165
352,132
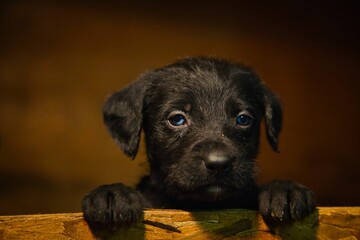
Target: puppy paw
285,201
111,206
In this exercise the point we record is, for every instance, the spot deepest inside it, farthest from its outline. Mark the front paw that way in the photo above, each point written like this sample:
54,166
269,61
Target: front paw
110,206
285,201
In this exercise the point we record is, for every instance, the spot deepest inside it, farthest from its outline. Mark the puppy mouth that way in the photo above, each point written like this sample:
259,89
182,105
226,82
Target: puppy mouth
215,192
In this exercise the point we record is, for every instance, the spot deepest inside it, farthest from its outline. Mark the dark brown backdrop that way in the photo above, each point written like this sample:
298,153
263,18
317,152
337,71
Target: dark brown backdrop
59,59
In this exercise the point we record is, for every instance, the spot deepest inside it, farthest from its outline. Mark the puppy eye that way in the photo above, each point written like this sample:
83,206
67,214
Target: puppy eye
177,120
243,120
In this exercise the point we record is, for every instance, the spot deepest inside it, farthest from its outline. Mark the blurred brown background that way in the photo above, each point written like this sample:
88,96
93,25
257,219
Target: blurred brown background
60,59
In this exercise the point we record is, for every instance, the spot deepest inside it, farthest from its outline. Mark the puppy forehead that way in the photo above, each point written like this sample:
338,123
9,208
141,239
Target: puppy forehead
204,86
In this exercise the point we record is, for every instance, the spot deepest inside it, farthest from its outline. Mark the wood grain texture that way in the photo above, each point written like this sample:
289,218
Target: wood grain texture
325,223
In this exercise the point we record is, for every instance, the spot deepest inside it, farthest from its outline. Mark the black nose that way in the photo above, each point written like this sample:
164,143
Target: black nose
218,162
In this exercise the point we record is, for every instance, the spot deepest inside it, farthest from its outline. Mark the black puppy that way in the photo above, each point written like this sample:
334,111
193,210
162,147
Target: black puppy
201,118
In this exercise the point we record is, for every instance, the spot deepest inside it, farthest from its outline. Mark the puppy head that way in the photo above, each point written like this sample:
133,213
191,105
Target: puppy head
201,118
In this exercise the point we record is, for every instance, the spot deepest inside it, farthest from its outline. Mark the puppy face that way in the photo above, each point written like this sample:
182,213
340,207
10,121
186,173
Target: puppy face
201,119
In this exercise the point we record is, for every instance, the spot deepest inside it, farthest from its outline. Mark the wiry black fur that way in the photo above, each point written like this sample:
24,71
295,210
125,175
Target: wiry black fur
210,93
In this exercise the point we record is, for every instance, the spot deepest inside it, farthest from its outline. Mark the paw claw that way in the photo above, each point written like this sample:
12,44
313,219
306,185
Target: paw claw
283,201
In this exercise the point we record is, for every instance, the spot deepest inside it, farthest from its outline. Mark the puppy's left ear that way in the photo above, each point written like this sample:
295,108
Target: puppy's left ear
273,117
122,113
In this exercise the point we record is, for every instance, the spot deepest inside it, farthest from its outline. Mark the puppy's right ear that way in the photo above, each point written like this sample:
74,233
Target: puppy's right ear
122,113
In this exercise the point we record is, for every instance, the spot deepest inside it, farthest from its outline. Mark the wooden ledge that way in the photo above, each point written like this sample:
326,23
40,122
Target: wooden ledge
325,223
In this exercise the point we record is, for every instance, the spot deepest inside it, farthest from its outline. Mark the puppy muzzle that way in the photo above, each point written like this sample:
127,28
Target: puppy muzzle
218,162
216,156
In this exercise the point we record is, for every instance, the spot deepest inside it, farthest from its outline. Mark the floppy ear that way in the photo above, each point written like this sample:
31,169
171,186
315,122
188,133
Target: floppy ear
122,113
273,117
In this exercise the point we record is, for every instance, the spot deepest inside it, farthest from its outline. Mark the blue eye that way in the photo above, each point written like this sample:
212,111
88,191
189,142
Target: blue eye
243,120
177,120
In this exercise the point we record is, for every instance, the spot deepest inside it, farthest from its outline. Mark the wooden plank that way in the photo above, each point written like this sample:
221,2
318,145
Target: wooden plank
325,223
